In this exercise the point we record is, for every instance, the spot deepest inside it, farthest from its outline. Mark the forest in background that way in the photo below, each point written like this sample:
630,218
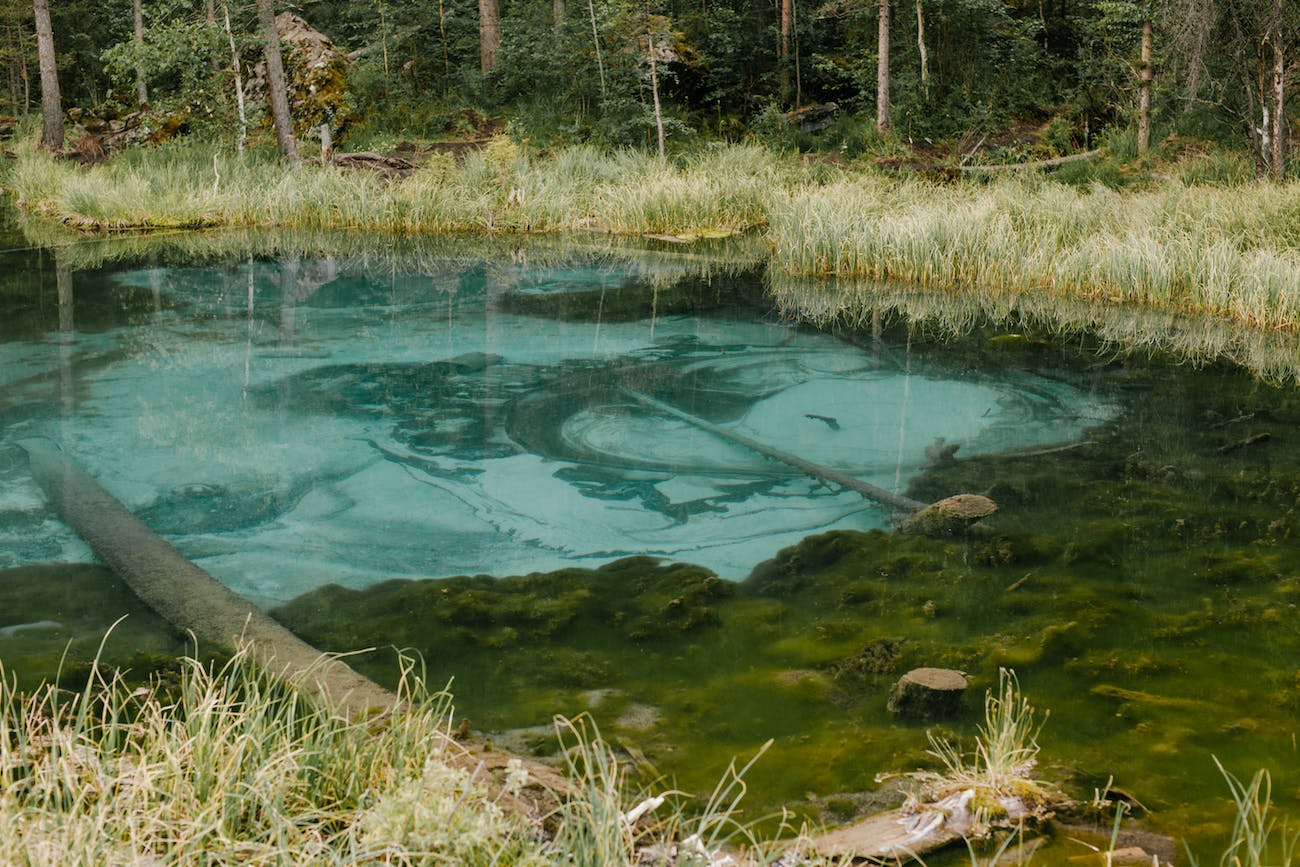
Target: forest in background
1011,78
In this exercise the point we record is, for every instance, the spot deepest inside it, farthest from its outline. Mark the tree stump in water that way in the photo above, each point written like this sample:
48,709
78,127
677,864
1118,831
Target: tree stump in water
949,516
928,693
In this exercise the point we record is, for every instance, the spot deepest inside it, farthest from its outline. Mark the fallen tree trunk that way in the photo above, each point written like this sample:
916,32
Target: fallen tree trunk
866,489
1037,164
194,602
946,517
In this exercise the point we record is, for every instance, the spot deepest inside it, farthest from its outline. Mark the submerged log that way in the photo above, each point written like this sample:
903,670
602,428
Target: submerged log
945,517
194,602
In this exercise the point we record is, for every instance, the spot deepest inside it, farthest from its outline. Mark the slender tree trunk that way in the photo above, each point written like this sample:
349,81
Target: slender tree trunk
882,70
654,90
787,31
51,102
489,34
557,14
1276,163
1144,92
920,47
210,12
442,31
383,39
237,68
276,85
141,89
595,41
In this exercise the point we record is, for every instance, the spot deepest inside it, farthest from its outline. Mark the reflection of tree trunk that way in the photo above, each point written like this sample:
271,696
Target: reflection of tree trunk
289,269
489,33
51,102
67,337
276,85
141,89
1144,92
882,70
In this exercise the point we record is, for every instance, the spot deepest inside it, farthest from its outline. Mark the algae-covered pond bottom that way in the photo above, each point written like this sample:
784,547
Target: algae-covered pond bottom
332,432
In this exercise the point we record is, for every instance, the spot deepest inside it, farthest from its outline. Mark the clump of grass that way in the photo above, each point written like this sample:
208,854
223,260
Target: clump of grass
1257,839
229,765
997,778
234,766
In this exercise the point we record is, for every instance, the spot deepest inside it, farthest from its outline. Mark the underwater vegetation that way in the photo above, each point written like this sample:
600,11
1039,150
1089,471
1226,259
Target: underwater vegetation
1142,583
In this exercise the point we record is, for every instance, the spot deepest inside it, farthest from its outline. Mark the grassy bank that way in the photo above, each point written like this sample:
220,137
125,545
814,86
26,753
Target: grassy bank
1222,250
223,765
1225,251
500,188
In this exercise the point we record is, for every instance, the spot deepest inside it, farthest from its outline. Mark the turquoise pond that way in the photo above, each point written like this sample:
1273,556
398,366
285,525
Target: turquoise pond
323,426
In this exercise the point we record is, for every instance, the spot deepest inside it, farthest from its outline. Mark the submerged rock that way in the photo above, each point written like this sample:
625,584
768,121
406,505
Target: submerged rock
949,516
928,693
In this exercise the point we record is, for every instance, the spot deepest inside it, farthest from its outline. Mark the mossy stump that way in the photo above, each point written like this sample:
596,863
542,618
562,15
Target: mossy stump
928,694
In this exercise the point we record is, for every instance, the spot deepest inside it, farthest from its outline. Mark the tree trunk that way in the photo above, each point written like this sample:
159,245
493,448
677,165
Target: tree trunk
882,70
276,85
1144,92
141,89
236,68
51,102
489,34
595,41
787,31
920,47
654,89
1278,155
557,14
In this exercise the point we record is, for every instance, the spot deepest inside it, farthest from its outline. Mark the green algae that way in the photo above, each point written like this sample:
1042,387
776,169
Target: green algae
69,614
1142,586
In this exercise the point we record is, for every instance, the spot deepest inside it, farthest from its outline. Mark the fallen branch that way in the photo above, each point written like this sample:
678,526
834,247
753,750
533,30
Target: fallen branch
1037,164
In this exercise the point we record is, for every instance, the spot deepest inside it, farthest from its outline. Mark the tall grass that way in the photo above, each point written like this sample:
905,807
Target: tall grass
1224,251
226,765
499,189
1220,248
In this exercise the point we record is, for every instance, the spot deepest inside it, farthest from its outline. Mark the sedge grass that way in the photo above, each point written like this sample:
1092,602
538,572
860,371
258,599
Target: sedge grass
1218,249
228,765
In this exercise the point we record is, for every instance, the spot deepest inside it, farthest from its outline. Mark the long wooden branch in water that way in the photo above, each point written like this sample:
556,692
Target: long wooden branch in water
866,489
